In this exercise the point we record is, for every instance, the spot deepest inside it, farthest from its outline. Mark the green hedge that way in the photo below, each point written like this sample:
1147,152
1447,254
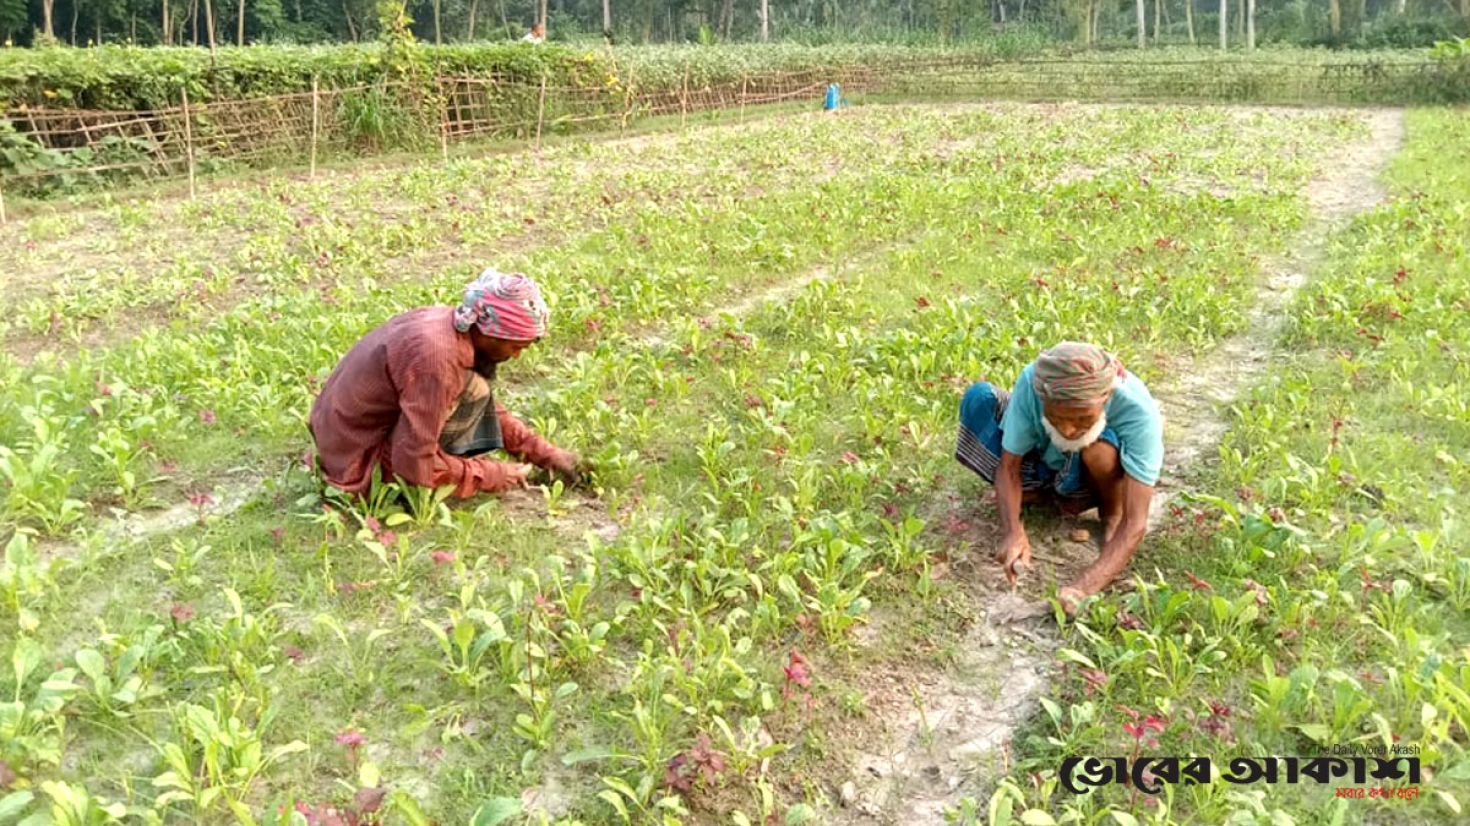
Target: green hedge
121,77
118,77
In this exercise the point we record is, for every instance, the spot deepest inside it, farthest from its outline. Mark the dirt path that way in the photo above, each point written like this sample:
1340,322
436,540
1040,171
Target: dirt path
946,735
1194,406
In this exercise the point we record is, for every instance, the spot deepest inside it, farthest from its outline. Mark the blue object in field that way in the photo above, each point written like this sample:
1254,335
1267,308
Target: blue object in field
834,96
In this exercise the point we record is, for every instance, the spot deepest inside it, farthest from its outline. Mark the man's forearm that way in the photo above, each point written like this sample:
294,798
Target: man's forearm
1008,493
1120,548
523,442
1116,554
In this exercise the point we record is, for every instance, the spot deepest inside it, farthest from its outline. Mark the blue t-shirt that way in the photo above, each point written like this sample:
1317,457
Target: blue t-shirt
1132,414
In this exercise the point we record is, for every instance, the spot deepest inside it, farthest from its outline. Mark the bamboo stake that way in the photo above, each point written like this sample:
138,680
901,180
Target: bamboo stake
315,123
188,141
444,118
684,99
628,98
744,85
540,109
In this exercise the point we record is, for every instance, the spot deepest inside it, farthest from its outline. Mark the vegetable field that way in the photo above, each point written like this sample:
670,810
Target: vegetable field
775,602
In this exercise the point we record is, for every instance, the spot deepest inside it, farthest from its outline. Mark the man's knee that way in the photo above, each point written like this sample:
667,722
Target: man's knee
978,402
1102,461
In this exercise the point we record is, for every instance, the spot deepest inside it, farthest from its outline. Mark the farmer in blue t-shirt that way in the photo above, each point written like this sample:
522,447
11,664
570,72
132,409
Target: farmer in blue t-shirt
1079,430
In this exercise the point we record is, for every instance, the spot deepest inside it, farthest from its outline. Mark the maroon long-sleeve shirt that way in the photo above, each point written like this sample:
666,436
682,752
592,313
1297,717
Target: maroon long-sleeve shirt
388,399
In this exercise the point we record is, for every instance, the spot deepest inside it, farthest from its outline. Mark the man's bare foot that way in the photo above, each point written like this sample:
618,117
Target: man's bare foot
1071,598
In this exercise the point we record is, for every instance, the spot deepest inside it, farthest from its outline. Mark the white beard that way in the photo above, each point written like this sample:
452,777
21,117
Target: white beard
1076,445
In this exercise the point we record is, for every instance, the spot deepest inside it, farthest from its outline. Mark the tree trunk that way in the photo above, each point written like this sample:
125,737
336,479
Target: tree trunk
351,26
47,7
438,32
1142,23
194,21
1334,18
209,23
166,26
727,12
607,18
1225,24
1158,13
1250,25
1096,21
1189,19
474,6
766,20
541,14
240,26
1239,19
76,11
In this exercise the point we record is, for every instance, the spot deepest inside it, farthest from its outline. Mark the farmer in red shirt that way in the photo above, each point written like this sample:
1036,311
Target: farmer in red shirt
414,398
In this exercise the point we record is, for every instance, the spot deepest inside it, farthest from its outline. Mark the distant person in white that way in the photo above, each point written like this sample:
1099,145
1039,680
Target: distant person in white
537,34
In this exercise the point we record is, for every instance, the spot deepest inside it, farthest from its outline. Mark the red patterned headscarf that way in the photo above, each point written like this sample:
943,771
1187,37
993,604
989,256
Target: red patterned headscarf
505,306
1075,372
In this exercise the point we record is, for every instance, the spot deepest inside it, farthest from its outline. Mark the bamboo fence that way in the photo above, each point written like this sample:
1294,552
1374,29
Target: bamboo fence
190,138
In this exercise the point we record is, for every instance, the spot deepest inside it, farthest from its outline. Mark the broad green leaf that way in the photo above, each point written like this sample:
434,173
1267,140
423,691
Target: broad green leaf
26,656
1316,731
1001,806
615,800
241,813
588,755
92,664
1076,657
1123,818
437,630
1037,817
409,808
496,810
13,804
464,634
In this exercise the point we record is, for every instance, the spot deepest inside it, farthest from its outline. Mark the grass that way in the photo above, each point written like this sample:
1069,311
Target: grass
684,645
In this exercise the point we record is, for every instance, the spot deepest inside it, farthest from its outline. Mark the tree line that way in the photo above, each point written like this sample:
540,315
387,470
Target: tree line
1226,23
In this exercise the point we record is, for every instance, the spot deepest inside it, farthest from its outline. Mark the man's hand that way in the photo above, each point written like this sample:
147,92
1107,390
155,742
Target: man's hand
507,476
568,466
1013,554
